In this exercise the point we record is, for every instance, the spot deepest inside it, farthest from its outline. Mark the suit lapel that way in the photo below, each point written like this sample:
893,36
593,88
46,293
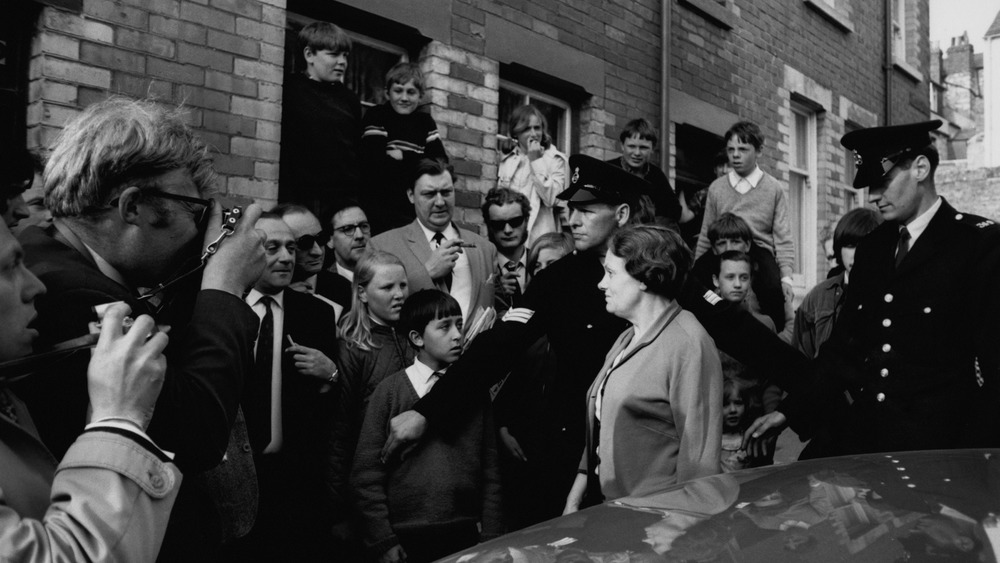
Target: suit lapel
417,242
475,256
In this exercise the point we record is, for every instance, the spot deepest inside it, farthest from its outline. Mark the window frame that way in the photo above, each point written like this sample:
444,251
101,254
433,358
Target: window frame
806,239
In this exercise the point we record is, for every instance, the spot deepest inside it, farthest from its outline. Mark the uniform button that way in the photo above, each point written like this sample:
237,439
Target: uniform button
886,323
958,217
590,326
886,348
927,310
859,307
156,480
880,397
884,372
888,298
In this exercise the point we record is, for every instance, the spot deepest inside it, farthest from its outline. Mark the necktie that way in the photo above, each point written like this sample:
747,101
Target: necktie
511,266
258,389
903,246
438,239
432,380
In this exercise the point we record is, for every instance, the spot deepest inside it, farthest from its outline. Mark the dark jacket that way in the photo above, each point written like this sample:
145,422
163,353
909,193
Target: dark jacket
915,346
766,281
210,351
360,373
663,195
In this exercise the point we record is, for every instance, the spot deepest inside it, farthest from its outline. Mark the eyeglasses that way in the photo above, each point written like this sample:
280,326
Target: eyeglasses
501,224
306,242
349,230
201,217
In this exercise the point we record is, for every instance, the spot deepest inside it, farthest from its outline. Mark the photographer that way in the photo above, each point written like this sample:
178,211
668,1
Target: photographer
125,183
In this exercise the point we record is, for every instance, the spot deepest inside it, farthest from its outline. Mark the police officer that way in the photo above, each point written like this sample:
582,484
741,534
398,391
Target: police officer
915,348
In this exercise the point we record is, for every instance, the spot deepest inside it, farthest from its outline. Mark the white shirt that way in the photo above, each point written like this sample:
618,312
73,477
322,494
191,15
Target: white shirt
919,225
744,184
422,377
522,268
461,275
278,313
344,272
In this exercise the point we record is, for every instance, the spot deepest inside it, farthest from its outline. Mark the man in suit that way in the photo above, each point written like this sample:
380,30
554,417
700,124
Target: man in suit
350,232
112,496
915,346
310,253
287,402
129,217
435,252
506,212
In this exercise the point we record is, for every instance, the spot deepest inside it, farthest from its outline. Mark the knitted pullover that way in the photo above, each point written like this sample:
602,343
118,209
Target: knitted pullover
764,208
447,479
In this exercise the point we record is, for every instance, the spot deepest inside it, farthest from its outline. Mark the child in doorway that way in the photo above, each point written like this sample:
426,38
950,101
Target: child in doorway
754,195
433,501
395,136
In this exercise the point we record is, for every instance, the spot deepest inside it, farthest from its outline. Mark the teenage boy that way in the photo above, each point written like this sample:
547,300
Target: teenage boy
396,135
430,503
733,279
754,195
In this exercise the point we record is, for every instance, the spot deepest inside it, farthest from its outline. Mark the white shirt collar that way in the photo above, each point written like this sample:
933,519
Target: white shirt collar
344,272
753,178
523,260
919,225
449,233
254,297
421,376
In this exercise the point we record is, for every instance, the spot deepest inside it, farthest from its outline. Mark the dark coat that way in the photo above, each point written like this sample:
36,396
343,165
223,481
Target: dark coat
334,287
663,195
210,350
907,345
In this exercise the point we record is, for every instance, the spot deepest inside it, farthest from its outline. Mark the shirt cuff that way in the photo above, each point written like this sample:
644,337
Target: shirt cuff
787,280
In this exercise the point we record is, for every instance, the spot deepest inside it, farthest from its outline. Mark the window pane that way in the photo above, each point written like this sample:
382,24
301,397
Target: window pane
796,201
801,141
366,69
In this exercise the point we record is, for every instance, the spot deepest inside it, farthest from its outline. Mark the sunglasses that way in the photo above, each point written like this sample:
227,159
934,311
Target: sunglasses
200,217
306,242
349,230
501,224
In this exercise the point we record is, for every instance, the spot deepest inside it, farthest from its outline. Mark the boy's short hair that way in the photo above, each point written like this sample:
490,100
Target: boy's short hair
642,128
730,226
734,256
404,72
746,132
853,227
322,36
425,306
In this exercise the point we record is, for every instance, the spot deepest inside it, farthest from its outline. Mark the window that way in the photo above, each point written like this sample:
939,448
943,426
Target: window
556,112
367,65
899,29
802,173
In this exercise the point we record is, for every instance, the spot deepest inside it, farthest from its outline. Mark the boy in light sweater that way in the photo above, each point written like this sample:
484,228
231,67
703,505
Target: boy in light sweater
754,195
432,502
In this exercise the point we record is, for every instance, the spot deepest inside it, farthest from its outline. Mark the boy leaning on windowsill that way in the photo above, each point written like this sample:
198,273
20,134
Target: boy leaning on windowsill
444,495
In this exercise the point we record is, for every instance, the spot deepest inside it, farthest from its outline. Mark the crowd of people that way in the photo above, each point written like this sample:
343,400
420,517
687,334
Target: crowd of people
354,376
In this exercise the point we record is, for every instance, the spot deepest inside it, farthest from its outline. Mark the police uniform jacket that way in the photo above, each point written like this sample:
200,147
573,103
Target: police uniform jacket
915,347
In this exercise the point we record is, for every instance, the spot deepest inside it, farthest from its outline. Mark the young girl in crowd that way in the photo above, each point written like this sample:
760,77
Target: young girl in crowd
534,168
737,404
370,349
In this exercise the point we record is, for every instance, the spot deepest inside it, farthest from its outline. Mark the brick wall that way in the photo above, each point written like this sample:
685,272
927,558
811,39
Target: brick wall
222,59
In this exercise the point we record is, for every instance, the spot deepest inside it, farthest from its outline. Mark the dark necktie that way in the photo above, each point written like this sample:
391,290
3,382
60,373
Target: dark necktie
438,239
511,266
903,246
258,389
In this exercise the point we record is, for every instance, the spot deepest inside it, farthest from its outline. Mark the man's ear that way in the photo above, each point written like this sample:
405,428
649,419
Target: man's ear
416,339
128,205
921,167
715,280
622,213
409,194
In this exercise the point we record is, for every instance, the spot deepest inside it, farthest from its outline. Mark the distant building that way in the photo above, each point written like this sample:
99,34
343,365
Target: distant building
806,70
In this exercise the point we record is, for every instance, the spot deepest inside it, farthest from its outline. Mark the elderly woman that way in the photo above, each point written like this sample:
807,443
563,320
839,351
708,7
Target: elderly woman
655,409
534,168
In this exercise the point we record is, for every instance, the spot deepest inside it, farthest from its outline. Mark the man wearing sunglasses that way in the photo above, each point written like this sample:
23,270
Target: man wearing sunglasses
126,183
915,346
506,212
310,254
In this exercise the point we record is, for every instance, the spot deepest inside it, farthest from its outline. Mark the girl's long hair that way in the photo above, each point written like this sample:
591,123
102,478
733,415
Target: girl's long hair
355,327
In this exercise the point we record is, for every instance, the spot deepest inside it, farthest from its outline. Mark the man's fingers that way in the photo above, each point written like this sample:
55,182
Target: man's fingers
111,323
390,447
249,219
142,328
